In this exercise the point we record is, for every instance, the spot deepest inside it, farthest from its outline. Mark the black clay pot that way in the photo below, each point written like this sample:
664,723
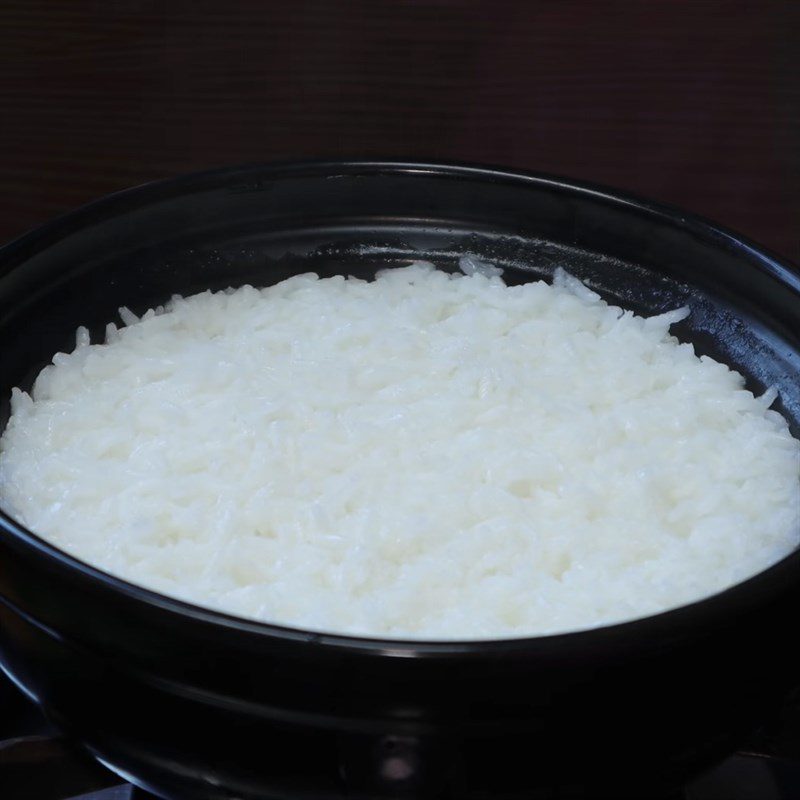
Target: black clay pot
194,704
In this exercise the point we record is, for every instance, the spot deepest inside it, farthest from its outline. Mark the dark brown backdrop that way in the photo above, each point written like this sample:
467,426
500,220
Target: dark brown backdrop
694,102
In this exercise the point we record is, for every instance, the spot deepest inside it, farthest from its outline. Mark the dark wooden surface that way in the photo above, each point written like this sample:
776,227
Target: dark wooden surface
694,102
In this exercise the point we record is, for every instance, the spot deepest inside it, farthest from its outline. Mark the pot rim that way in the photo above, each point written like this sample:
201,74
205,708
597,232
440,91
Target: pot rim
713,610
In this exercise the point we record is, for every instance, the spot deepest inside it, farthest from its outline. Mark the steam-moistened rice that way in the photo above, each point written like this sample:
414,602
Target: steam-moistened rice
424,455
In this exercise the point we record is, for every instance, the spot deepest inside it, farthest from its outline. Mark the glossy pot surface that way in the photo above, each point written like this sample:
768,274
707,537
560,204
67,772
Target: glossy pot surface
194,704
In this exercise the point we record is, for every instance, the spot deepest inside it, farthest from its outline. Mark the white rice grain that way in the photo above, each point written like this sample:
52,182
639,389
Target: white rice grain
423,456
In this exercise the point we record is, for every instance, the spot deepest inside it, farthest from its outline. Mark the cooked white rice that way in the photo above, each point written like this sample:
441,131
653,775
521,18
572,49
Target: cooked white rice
424,456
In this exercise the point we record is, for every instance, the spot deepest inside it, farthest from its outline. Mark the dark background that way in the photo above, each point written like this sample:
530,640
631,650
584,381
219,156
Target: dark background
693,102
